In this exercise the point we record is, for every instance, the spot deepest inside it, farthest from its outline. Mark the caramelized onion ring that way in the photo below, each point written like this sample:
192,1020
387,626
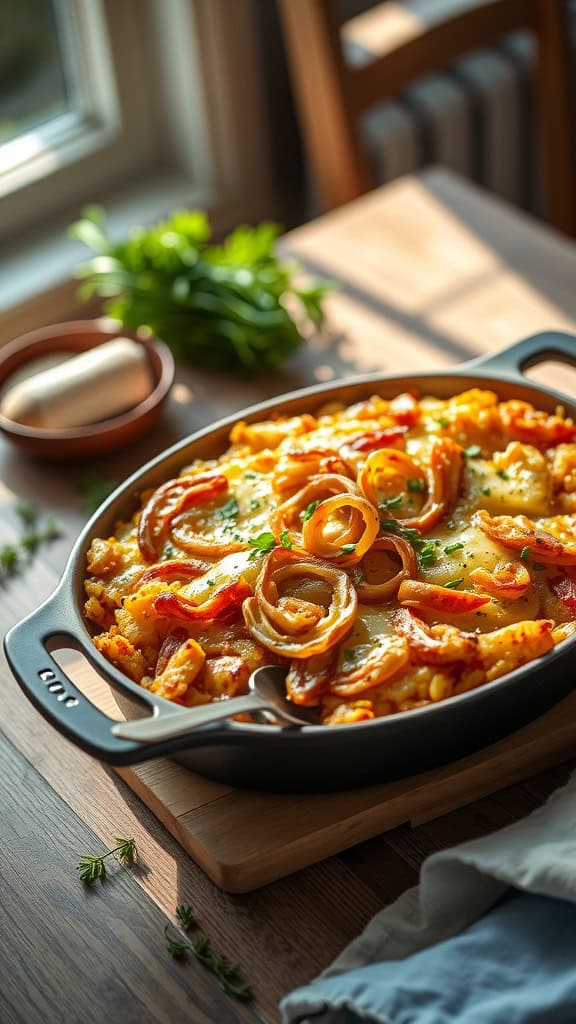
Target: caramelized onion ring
360,529
390,467
374,593
294,469
509,580
434,645
277,624
223,606
288,515
378,667
517,532
444,475
168,501
429,597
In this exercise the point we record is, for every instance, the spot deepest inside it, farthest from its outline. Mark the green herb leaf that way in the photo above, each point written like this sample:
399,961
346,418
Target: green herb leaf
348,549
310,510
442,422
451,548
250,476
525,554
472,452
486,491
229,509
185,916
417,485
254,504
502,474
179,950
285,539
394,502
262,544
92,868
427,555
454,584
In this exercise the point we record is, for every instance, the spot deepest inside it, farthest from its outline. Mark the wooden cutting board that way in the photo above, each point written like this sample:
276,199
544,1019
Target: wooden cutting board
243,839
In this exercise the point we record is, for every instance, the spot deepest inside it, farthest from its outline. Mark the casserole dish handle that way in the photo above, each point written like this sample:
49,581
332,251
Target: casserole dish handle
28,646
512,361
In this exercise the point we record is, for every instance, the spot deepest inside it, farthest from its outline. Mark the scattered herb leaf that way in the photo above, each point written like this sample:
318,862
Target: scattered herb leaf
454,584
486,491
285,539
228,974
394,502
472,451
348,549
525,553
92,868
502,474
254,504
310,510
262,544
229,509
451,548
442,422
417,485
185,916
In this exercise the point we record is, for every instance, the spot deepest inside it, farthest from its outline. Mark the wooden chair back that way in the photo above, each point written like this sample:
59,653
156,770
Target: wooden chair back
414,38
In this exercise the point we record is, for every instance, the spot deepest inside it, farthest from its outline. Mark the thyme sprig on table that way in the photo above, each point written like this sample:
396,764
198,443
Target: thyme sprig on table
91,867
13,557
227,974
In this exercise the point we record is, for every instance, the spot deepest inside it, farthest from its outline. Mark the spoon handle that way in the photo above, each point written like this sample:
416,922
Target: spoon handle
166,727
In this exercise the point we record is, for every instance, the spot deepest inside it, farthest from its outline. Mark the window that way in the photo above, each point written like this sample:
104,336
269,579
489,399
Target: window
134,103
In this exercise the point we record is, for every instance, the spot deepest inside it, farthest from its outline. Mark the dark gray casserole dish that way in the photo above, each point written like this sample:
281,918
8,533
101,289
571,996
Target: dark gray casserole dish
305,758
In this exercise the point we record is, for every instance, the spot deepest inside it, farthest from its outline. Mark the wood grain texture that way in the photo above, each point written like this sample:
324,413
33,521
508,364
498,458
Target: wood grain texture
106,959
432,272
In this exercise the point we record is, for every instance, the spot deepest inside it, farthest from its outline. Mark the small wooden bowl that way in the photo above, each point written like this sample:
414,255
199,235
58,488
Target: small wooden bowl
105,435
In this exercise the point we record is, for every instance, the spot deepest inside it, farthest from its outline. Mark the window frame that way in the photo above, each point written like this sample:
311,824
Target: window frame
202,143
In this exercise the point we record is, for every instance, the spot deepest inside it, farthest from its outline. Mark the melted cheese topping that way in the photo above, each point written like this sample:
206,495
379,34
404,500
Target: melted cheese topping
348,545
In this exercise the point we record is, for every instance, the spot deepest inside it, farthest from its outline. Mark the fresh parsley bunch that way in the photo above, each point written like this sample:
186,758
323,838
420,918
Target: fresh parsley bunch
220,306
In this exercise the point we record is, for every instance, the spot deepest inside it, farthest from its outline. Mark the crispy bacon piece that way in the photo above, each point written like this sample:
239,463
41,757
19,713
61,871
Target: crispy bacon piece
168,501
405,409
357,525
522,422
390,437
434,645
374,593
181,669
379,665
429,597
508,580
518,532
289,626
223,606
564,587
175,569
309,678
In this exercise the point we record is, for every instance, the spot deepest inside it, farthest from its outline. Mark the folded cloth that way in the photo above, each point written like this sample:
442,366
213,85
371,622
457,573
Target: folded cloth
458,887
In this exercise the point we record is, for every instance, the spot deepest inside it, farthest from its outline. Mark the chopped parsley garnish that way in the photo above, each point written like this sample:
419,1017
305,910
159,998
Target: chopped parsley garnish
310,510
486,491
394,502
262,544
254,504
417,485
250,476
451,548
525,553
348,549
454,584
427,555
229,510
502,474
472,451
285,539
210,583
442,422
352,653
168,551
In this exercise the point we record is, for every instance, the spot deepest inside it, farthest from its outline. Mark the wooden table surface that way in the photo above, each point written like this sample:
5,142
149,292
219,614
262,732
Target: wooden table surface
430,273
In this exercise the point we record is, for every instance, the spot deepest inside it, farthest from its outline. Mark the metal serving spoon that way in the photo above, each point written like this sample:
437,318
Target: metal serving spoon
267,693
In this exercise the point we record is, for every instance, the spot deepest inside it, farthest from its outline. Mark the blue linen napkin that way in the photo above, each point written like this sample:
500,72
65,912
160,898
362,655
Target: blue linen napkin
488,937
